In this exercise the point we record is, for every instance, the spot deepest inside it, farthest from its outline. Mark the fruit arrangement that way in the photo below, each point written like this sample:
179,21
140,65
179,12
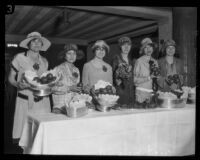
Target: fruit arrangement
47,78
102,87
104,94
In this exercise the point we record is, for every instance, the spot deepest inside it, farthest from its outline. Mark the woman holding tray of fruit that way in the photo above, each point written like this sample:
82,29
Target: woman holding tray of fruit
70,78
33,61
96,69
145,70
123,73
171,67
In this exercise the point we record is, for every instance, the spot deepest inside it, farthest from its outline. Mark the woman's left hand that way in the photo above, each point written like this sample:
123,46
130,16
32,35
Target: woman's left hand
173,86
114,90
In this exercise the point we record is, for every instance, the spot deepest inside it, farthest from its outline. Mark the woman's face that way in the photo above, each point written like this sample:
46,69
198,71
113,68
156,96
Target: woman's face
36,45
170,50
126,47
148,50
100,52
70,56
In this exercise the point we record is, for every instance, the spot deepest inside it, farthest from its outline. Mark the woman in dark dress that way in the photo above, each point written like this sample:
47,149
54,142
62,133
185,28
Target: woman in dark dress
171,68
123,74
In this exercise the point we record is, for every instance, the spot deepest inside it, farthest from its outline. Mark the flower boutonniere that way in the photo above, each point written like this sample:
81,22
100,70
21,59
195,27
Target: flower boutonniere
75,75
105,68
36,66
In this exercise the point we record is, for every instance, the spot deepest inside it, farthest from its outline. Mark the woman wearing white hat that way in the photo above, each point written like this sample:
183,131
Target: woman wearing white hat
29,60
142,76
170,67
96,69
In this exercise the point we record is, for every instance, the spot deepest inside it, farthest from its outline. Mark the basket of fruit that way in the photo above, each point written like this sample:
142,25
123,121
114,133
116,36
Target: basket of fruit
42,85
76,107
104,95
173,99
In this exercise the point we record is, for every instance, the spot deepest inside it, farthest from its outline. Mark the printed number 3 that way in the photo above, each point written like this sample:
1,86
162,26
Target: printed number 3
9,9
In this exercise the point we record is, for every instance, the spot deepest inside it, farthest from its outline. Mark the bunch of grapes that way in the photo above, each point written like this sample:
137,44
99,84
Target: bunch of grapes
123,71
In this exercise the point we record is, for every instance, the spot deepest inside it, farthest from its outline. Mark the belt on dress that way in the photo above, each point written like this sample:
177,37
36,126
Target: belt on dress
23,96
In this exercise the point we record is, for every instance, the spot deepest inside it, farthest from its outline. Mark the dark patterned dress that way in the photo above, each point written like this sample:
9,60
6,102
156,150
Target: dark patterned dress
126,89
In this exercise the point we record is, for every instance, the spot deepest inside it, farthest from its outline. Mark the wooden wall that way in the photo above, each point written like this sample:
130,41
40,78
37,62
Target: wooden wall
184,33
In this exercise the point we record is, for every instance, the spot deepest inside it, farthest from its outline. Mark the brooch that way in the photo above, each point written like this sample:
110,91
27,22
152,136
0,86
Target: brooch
36,66
104,68
74,74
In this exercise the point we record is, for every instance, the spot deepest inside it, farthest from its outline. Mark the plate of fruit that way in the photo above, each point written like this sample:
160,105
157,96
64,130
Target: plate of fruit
104,94
47,80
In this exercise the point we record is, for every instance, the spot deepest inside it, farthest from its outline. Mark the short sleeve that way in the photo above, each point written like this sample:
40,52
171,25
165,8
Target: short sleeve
15,64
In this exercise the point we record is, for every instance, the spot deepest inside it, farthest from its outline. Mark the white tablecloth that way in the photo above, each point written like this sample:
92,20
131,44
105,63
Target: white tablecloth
163,132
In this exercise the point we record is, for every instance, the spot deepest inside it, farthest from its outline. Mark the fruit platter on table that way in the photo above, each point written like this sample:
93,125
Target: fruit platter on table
175,98
104,96
42,85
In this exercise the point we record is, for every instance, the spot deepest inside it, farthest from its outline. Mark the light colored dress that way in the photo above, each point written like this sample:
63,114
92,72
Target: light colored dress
20,64
70,76
91,74
142,70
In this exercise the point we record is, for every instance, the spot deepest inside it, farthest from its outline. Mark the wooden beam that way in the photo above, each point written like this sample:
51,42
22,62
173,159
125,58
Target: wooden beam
19,38
96,25
142,12
135,33
122,30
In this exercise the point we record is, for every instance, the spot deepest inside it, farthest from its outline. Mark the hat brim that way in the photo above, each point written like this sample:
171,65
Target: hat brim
143,46
105,46
45,46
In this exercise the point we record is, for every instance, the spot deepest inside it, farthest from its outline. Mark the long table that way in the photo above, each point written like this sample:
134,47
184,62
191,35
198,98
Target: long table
151,132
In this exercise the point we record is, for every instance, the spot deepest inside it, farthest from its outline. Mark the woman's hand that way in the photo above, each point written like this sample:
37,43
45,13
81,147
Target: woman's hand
56,111
114,90
22,84
118,81
74,88
173,86
86,89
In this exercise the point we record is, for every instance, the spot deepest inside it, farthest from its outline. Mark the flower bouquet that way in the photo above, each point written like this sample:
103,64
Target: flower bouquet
123,71
155,71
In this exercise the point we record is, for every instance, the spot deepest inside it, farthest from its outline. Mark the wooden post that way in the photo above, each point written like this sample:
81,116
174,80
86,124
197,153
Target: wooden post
184,33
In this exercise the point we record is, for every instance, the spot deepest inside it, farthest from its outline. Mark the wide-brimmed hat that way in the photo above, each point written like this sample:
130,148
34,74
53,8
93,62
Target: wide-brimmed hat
100,43
33,35
144,43
123,40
